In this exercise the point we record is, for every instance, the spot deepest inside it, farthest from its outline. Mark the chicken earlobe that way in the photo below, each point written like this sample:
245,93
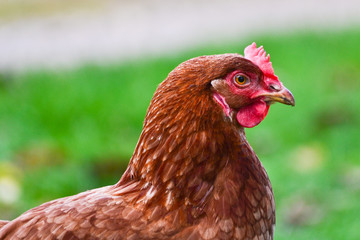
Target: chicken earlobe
219,88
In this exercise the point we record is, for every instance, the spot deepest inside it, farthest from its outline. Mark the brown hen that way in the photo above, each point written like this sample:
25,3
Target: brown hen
193,174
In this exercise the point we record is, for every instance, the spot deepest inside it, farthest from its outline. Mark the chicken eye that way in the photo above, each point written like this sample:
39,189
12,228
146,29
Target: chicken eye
241,79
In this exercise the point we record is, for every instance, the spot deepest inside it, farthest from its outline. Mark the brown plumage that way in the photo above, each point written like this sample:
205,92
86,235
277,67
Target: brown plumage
3,223
193,175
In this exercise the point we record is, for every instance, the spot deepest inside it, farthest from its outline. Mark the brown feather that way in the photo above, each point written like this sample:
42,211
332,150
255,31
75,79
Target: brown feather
193,175
3,223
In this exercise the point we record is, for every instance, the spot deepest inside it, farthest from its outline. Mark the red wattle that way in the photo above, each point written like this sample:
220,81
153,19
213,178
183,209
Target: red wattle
251,115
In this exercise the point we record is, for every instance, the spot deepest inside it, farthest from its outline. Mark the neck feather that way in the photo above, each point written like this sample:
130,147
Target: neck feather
183,140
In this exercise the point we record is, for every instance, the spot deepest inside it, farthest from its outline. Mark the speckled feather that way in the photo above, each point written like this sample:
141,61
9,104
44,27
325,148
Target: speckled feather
193,175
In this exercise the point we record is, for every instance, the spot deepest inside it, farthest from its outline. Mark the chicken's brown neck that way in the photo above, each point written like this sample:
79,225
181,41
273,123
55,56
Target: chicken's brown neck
182,149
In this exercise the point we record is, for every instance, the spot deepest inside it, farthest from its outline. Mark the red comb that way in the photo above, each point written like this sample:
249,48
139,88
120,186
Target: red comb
258,57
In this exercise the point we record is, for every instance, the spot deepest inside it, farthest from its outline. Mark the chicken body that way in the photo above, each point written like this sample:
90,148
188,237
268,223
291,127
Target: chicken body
193,175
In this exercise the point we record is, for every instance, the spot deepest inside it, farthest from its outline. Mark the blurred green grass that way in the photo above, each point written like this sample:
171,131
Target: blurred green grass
63,132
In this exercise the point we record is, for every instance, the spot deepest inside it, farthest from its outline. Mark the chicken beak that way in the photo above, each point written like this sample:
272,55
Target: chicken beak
282,96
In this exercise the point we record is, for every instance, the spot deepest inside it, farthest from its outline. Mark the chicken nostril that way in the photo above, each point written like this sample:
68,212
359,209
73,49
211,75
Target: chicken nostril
275,87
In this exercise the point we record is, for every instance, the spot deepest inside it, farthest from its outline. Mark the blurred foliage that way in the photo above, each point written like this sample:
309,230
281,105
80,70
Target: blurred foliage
63,132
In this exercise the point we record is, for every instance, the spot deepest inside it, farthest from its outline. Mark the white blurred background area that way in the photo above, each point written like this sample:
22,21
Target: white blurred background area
61,33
